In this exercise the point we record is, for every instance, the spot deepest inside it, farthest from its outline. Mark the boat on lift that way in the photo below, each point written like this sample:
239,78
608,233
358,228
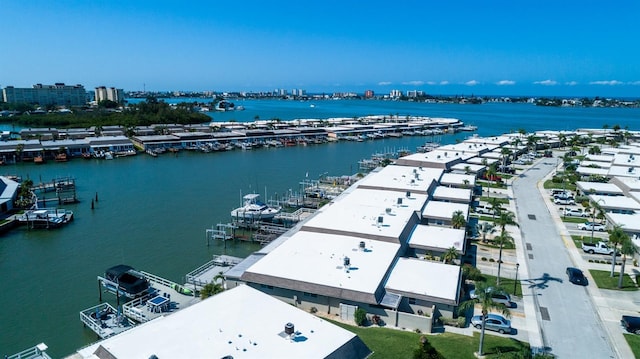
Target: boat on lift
255,209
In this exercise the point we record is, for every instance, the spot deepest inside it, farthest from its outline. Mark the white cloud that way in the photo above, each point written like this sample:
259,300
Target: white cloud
610,83
634,83
471,83
431,83
444,82
384,83
505,82
546,82
571,83
414,83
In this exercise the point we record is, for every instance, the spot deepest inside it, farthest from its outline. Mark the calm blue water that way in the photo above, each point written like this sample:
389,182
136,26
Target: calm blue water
152,212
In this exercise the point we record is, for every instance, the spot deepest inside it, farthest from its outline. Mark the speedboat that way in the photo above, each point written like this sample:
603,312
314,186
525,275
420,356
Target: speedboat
254,209
126,281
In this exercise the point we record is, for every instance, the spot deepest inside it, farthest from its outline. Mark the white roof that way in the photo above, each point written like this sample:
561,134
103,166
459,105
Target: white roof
435,158
444,210
426,279
437,237
402,178
465,147
452,193
615,202
481,160
462,167
625,159
358,213
241,322
624,171
633,184
495,141
457,179
317,258
600,158
629,222
592,171
599,187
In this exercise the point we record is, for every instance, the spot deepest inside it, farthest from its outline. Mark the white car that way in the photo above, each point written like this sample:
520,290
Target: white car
591,226
575,212
565,201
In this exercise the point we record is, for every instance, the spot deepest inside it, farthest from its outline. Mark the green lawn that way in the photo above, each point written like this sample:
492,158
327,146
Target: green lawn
570,219
505,283
634,342
392,343
604,281
500,200
549,184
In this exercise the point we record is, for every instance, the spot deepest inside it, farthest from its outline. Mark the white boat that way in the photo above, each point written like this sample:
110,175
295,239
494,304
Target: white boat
254,209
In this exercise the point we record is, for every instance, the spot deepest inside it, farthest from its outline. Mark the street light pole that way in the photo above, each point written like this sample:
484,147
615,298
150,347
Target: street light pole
515,284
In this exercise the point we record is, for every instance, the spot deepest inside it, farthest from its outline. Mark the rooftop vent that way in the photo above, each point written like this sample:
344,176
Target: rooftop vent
408,194
387,210
347,262
380,220
362,245
289,328
399,201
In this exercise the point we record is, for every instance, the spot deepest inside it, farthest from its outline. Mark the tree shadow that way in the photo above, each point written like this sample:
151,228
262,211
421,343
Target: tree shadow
542,282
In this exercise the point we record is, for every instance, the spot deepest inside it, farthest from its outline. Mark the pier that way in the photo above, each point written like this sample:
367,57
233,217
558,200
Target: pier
208,272
64,188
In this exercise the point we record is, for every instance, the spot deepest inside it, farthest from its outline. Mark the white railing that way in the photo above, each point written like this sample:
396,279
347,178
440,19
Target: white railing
85,318
36,352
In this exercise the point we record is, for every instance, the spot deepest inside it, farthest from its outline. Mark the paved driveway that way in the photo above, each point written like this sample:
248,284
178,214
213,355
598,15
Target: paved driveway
566,314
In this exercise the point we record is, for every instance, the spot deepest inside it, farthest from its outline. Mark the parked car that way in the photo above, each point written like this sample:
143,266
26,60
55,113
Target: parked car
591,226
565,202
497,296
575,212
558,192
482,209
576,276
631,324
600,248
493,322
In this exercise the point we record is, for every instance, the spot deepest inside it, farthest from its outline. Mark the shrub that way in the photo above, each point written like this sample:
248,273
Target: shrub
462,321
491,260
313,310
471,273
360,316
418,331
484,259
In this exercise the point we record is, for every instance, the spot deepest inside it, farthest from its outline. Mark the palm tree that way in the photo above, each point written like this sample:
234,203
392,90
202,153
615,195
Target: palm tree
502,239
490,174
485,228
484,298
505,152
450,255
457,220
506,218
496,206
616,237
626,248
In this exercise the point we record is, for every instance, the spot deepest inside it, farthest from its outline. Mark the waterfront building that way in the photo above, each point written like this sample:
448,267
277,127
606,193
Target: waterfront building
238,323
369,94
8,194
103,93
357,252
395,94
44,95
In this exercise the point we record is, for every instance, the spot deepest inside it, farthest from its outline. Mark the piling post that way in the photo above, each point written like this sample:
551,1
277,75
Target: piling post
96,196
92,204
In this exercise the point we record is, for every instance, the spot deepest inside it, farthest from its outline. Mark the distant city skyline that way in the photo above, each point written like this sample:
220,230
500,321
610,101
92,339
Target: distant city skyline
567,48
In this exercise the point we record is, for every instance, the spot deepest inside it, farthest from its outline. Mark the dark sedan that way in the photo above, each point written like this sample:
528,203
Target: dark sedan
576,276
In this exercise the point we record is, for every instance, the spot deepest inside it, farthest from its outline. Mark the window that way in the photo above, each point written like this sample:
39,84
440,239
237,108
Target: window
266,286
309,295
412,300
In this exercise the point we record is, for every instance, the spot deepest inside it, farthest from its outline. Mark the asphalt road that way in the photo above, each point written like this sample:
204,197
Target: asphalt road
567,316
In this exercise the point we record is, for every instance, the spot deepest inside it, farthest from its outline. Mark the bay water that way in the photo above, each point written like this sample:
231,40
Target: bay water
151,213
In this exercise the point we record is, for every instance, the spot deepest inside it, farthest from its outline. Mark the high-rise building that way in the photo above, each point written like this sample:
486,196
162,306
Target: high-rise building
110,93
368,94
395,94
44,95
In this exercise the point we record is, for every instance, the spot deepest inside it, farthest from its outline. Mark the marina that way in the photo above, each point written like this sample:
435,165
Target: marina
168,202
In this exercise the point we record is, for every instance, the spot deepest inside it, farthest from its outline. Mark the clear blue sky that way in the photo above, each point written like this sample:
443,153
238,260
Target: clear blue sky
586,48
